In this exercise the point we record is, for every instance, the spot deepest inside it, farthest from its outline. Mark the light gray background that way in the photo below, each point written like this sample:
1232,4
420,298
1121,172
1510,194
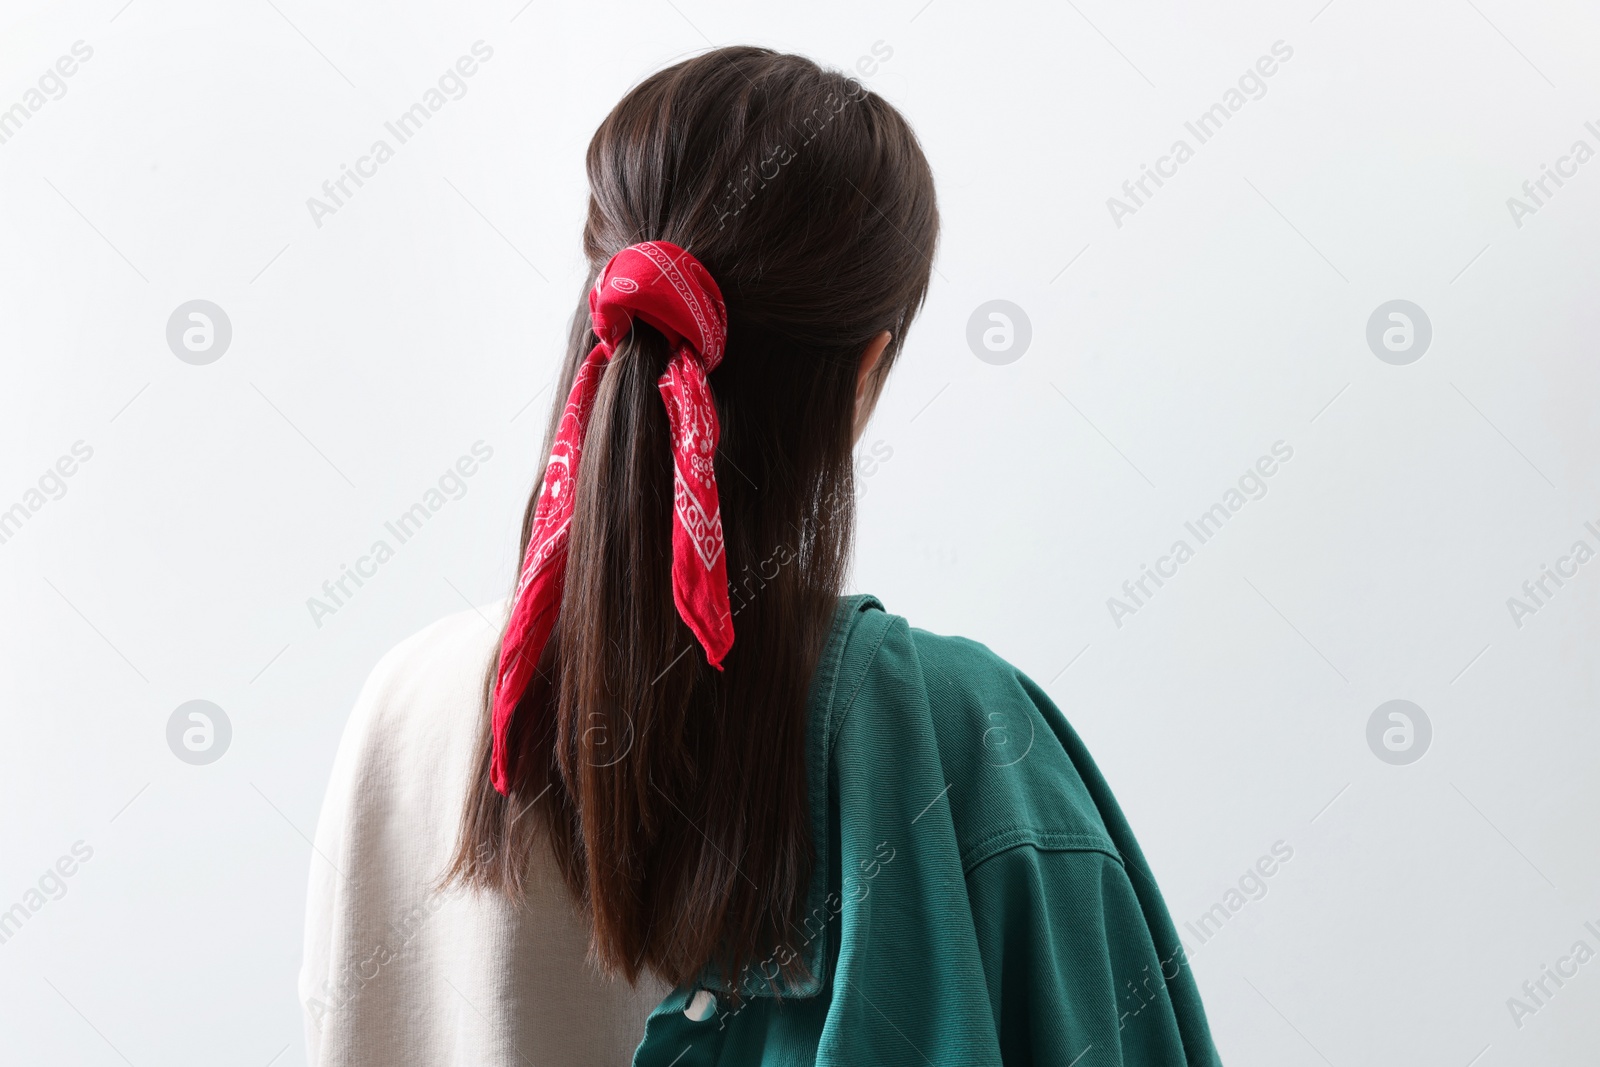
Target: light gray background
1167,355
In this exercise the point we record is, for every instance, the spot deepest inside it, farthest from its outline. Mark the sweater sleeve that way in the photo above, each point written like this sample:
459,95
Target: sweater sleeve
1073,972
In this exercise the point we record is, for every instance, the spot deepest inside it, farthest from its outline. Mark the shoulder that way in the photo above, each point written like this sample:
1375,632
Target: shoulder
1016,772
441,655
414,727
399,779
431,682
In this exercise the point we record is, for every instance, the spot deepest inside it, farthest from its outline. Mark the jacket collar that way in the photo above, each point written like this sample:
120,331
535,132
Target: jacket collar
833,691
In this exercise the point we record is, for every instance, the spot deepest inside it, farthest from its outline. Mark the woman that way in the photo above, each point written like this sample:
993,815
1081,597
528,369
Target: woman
785,825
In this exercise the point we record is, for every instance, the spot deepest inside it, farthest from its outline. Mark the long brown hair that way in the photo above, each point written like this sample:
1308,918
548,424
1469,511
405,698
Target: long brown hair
674,797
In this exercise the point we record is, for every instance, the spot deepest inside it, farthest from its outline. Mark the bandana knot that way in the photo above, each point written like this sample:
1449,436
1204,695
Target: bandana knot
664,286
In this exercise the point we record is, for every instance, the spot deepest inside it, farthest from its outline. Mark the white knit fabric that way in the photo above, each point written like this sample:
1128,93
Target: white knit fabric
397,974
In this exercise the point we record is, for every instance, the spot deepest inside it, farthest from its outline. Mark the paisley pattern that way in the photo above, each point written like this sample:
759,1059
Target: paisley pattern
664,286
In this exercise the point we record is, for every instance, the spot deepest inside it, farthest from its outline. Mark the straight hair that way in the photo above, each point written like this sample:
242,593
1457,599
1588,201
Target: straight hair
673,797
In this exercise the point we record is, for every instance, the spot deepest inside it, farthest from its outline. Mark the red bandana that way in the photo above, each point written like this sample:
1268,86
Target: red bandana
669,289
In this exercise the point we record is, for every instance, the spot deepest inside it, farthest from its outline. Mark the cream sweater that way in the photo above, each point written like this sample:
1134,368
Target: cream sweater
395,973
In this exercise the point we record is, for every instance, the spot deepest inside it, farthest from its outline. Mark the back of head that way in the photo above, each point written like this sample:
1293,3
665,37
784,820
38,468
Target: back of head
673,796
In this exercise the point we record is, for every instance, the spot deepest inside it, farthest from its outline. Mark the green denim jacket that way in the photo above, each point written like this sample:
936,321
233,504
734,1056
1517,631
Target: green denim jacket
978,898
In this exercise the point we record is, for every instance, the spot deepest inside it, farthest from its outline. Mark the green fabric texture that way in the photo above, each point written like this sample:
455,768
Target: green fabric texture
978,898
